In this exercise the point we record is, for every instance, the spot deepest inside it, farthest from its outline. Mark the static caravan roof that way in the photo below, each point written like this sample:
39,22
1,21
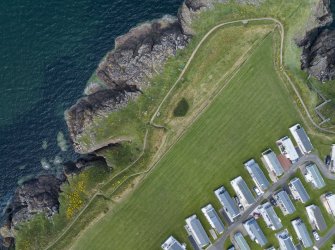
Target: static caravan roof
287,148
272,162
283,198
270,217
241,242
297,186
333,152
285,240
172,244
257,174
255,232
330,198
315,217
301,138
242,190
302,233
213,218
227,202
197,230
316,176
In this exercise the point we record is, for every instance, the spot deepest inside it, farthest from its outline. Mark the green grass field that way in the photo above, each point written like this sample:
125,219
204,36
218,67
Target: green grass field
249,115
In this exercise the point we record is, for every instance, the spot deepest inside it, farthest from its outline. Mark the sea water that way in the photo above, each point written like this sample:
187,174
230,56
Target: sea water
48,51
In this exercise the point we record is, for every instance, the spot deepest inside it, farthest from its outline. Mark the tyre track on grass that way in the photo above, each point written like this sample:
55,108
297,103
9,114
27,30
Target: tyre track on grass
152,124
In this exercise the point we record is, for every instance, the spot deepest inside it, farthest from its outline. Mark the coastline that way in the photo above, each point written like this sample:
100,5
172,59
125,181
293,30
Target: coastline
52,206
117,94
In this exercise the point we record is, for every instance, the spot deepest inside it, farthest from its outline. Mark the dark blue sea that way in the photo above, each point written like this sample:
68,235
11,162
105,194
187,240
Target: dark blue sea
48,51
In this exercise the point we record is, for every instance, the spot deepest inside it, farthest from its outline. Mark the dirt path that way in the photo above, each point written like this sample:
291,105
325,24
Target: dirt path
242,22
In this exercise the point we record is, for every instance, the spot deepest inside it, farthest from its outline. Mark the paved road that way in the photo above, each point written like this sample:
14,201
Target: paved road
218,245
325,238
323,168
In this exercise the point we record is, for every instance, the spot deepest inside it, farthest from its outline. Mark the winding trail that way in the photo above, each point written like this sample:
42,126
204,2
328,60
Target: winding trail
152,124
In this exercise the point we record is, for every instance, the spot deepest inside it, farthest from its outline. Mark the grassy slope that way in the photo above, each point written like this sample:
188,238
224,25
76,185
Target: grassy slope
130,121
252,112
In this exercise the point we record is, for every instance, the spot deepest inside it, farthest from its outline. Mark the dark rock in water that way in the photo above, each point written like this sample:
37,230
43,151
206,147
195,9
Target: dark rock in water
318,54
38,195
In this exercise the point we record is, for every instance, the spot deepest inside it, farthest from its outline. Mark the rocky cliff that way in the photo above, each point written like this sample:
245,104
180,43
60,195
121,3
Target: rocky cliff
35,196
38,195
126,71
318,44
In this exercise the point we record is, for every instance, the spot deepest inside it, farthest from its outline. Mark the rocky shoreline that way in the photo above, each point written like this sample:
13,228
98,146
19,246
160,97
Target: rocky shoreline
318,45
125,73
40,195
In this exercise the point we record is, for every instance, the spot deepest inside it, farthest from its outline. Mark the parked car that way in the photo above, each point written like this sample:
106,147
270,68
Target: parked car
257,191
238,203
273,201
328,160
316,235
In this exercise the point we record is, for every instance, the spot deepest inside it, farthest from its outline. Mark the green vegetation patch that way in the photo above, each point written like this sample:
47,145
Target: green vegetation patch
40,231
249,115
181,108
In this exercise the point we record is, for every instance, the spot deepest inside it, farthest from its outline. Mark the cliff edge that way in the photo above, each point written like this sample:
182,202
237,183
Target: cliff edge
126,71
318,44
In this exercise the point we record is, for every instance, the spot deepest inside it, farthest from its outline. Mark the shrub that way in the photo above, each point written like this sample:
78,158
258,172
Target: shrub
181,108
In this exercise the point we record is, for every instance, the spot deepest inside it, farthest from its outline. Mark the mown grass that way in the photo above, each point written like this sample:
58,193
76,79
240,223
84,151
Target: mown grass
131,123
252,112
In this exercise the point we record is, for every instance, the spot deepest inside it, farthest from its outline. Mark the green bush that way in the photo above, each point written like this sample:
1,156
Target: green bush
182,108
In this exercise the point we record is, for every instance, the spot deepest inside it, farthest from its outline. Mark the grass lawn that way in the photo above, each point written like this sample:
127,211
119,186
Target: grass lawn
249,115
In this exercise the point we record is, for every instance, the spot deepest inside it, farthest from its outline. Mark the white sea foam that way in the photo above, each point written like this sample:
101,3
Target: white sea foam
61,141
45,144
45,164
21,167
57,160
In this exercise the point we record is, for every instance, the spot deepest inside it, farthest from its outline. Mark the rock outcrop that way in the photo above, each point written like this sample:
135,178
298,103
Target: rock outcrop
318,56
74,168
318,45
322,13
38,195
189,10
126,71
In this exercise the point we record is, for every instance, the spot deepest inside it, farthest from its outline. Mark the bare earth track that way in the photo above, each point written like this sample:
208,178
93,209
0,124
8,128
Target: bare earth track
153,125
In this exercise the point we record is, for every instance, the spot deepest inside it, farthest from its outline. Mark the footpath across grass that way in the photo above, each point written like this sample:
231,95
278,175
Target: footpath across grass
248,116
